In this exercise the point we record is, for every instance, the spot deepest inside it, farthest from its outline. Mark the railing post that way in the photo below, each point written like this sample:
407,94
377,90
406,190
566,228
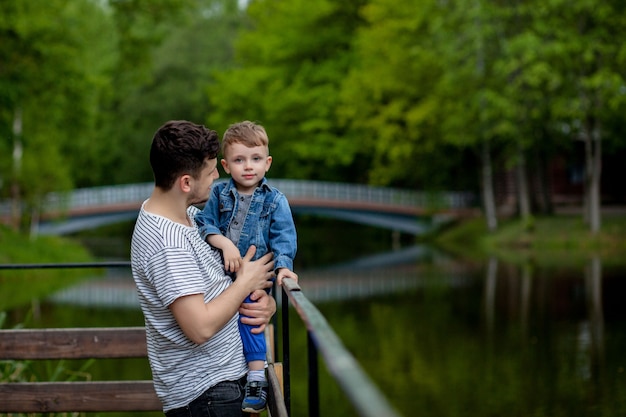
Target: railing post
286,358
314,390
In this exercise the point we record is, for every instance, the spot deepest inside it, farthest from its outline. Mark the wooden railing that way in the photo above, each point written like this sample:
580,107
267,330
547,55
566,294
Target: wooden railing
87,396
83,396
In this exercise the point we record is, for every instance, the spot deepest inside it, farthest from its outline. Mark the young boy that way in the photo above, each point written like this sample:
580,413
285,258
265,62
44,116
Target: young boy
246,211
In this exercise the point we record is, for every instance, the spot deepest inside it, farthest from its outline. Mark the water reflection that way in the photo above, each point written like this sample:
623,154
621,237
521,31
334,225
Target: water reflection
490,293
595,329
387,273
568,362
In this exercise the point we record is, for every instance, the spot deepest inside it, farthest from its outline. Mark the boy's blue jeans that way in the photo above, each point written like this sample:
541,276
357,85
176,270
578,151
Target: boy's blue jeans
254,348
221,400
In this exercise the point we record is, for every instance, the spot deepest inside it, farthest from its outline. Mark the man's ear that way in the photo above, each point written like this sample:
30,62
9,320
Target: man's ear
184,182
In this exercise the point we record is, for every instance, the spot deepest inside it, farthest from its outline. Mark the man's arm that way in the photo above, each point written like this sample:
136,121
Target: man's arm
200,321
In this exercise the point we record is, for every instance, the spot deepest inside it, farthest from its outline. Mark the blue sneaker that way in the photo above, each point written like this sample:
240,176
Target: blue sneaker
255,399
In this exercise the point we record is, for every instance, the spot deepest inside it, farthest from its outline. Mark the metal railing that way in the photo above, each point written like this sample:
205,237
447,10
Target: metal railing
364,395
358,387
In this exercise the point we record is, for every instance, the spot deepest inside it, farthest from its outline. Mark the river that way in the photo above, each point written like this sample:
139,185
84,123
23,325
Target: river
440,337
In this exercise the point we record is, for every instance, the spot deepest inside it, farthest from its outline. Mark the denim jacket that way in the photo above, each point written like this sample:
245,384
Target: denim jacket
268,225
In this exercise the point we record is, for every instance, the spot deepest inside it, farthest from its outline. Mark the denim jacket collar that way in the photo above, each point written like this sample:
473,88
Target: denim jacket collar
231,188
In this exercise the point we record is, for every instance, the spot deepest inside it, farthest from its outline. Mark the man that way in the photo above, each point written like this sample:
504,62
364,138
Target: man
190,305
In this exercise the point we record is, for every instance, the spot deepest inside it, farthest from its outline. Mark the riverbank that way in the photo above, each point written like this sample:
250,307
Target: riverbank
18,248
559,240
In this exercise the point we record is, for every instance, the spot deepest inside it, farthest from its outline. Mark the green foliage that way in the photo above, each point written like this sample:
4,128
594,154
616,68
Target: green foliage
170,50
370,91
50,84
18,249
290,64
388,98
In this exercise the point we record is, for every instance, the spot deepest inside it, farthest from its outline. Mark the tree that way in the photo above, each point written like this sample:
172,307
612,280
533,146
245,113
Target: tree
527,82
581,39
49,88
476,116
125,126
192,40
290,64
388,99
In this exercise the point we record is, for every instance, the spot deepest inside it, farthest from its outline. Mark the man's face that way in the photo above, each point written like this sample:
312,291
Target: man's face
201,186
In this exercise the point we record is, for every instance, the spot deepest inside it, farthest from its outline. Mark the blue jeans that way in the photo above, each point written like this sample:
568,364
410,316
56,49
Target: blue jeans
221,400
254,348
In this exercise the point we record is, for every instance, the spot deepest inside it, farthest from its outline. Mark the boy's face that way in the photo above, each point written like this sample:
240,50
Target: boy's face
247,166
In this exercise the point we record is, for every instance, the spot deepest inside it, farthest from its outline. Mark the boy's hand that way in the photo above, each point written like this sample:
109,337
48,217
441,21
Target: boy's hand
285,273
232,258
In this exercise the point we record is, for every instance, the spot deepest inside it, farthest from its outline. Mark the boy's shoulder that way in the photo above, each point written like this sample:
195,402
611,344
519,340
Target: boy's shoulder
271,190
222,187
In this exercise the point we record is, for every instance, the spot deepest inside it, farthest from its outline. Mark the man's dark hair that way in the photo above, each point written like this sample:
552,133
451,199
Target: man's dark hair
180,147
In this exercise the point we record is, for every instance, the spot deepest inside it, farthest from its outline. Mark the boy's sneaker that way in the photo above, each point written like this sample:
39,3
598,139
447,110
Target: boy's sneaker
255,398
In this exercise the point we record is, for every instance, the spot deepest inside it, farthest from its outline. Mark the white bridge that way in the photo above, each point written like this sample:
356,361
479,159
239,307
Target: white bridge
396,209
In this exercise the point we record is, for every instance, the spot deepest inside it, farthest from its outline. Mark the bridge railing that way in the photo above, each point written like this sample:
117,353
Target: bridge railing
321,190
97,196
85,198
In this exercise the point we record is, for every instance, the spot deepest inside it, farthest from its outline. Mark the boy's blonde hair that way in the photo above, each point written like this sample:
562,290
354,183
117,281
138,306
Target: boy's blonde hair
247,133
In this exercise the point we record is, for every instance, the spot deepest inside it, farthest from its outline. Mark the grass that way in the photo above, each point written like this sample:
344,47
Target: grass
21,286
549,241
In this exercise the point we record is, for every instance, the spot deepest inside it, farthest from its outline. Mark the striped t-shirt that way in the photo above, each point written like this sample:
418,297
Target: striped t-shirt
170,260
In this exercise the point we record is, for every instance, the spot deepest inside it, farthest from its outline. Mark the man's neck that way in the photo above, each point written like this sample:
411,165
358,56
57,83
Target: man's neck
168,205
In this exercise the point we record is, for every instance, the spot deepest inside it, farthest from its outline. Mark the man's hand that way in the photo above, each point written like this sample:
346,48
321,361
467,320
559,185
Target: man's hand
258,313
200,321
255,275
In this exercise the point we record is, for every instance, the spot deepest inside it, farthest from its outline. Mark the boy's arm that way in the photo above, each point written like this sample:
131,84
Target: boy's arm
232,257
283,240
207,219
